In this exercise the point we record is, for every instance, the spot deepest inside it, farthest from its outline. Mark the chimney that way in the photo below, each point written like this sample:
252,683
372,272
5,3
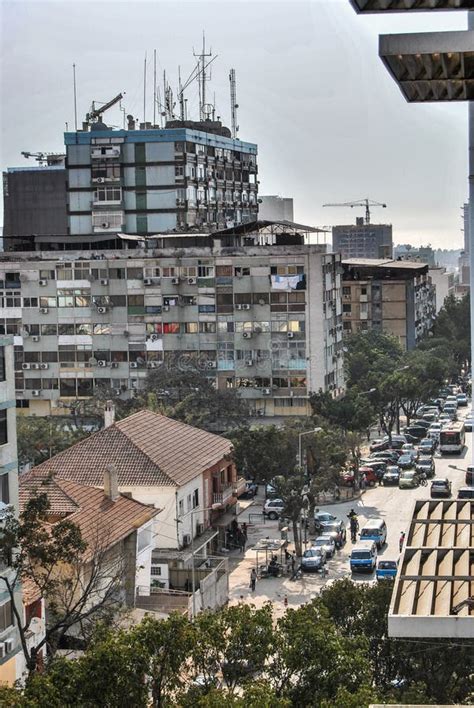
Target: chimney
111,483
109,414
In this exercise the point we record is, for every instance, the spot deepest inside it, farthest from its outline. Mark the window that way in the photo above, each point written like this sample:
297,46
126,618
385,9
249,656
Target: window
188,503
2,364
207,327
6,615
105,169
195,498
107,219
170,327
155,570
4,489
181,507
363,291
108,194
346,291
346,308
190,327
3,427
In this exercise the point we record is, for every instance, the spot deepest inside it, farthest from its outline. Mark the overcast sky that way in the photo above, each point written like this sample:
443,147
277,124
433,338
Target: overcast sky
330,123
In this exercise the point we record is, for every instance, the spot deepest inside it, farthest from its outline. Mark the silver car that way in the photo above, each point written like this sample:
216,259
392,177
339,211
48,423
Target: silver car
313,559
326,544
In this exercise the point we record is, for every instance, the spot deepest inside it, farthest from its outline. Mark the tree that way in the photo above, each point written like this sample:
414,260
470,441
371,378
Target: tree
453,324
352,412
369,355
292,490
265,451
79,583
420,379
41,438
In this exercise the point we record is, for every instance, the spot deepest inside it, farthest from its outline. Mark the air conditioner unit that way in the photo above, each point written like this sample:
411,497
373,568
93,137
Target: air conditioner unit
99,180
211,364
9,644
26,367
166,308
238,307
175,281
35,338
192,281
102,362
245,307
117,391
199,529
104,281
114,365
266,391
43,282
133,365
249,362
290,335
35,393
44,366
105,225
147,281
247,335
34,366
44,310
152,365
186,539
101,310
153,337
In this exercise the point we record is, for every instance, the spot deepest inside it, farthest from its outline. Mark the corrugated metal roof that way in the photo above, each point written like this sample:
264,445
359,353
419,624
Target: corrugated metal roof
435,580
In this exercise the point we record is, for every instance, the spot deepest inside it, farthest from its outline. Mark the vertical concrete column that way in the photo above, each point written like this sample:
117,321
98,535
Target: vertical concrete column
471,215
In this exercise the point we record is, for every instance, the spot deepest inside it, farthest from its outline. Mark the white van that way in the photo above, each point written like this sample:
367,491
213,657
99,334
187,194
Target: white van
374,530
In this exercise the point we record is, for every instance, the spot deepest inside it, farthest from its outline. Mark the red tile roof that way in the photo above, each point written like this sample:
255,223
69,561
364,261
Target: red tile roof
147,449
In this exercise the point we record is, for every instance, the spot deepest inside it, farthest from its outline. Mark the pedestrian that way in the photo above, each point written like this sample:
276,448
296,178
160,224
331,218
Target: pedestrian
402,540
241,541
244,530
285,601
293,563
253,579
362,482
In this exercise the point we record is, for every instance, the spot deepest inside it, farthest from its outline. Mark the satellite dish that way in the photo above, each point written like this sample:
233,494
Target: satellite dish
92,361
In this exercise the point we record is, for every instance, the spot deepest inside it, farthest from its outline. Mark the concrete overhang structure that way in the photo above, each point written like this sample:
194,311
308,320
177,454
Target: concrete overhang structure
369,6
431,66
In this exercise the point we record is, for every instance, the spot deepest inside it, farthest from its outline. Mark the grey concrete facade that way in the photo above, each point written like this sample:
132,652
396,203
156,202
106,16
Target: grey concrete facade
363,240
264,319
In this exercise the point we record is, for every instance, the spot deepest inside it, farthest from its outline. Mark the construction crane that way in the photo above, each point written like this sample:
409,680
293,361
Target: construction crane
95,114
46,158
367,203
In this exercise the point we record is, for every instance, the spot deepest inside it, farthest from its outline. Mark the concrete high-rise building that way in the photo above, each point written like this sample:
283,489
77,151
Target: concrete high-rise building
146,181
35,202
275,208
258,310
361,240
11,656
395,297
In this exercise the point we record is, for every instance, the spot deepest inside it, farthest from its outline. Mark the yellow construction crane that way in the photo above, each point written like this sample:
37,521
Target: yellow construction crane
367,203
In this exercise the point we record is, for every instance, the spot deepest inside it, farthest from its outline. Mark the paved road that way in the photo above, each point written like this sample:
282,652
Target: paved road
390,503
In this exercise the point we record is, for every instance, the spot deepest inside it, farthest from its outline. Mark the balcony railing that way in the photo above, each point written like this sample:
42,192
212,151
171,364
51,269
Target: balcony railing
223,496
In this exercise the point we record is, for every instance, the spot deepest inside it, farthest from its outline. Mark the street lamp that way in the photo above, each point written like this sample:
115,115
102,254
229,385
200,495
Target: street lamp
300,435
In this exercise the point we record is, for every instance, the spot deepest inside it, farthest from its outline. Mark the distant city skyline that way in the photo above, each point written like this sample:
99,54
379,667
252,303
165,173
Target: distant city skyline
330,123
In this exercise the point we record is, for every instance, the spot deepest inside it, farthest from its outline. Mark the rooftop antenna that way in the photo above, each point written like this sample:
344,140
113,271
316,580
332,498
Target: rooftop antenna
233,103
154,87
180,96
144,90
203,77
75,96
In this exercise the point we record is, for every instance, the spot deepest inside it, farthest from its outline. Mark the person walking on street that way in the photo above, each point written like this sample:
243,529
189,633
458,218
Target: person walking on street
253,579
402,539
244,530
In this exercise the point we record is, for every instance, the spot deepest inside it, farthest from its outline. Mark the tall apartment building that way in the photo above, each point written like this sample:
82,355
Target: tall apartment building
396,297
11,664
275,208
259,313
190,174
361,240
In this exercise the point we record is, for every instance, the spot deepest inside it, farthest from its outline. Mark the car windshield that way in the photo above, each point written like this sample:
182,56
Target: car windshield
370,532
362,555
439,483
332,527
322,541
424,463
311,553
387,565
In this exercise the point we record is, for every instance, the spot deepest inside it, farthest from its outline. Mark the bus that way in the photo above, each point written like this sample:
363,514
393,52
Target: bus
451,439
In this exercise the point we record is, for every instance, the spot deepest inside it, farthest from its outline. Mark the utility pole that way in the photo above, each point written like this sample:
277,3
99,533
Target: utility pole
202,77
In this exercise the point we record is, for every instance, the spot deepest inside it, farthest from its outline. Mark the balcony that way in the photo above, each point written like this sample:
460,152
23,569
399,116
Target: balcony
223,497
239,486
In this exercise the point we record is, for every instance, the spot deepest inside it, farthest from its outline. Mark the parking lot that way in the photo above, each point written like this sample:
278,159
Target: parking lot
390,503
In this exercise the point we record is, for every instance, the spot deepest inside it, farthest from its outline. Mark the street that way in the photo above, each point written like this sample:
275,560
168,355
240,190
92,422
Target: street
393,505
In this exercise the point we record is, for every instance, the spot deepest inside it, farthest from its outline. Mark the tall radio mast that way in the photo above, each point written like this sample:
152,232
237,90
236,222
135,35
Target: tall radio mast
233,103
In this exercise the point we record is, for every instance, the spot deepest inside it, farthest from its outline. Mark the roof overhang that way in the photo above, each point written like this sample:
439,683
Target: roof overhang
431,66
368,6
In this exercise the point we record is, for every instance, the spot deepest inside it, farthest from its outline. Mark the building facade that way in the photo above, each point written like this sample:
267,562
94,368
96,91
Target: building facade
11,664
443,282
363,240
265,319
395,297
275,208
150,180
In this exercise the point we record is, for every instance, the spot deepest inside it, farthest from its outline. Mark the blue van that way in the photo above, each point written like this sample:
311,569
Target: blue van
364,557
374,530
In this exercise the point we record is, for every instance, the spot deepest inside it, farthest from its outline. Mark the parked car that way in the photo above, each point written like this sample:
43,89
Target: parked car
426,466
322,519
378,466
409,479
270,491
251,489
313,559
462,399
397,441
406,462
391,476
445,418
421,423
363,557
416,431
466,493
431,416
326,544
379,445
469,423
273,508
427,446
388,456
386,569
451,411
337,530
440,487
348,478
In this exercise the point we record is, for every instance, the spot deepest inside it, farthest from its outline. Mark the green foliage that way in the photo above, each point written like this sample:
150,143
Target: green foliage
350,412
264,451
453,325
41,438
